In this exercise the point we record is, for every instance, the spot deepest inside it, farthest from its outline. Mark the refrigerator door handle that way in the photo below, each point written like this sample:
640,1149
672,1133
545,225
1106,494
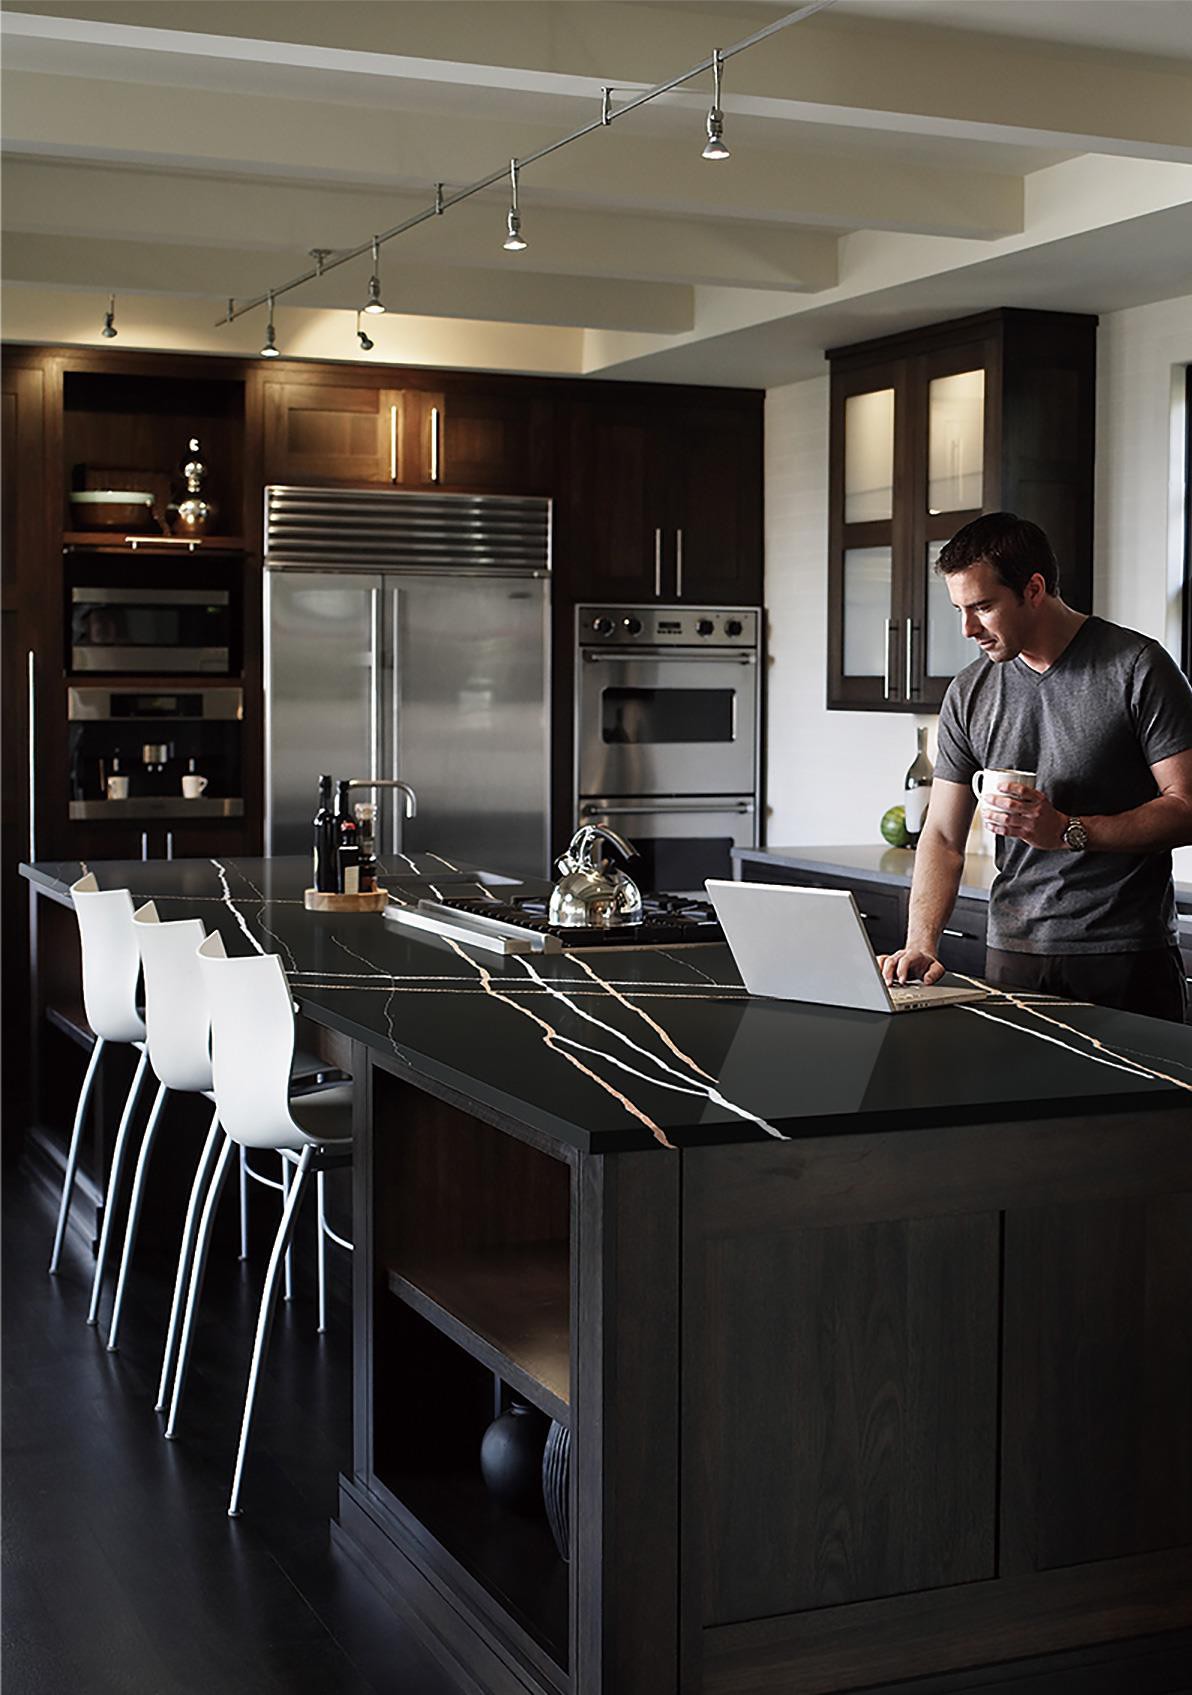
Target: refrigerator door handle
375,664
393,798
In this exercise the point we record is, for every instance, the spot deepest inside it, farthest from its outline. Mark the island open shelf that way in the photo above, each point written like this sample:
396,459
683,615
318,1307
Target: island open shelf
509,1307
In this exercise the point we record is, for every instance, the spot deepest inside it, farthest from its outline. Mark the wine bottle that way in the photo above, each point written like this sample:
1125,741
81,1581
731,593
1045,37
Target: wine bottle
917,789
326,841
365,826
348,871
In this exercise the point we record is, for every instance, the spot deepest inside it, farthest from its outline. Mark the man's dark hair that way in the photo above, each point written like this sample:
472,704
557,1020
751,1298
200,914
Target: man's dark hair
1014,546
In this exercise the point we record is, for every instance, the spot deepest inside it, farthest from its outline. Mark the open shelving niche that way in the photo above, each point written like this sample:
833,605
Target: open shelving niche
473,1307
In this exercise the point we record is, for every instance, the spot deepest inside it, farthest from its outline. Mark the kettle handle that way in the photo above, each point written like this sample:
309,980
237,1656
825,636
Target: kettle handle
583,841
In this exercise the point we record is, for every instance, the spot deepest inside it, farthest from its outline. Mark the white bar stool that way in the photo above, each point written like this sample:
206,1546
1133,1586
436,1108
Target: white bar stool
252,1045
111,968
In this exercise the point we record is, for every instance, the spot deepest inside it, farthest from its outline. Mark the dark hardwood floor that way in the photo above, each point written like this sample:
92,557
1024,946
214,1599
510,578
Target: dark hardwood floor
123,1574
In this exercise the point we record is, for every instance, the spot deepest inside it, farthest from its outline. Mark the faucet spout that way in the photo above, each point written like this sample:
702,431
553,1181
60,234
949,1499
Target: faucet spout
411,799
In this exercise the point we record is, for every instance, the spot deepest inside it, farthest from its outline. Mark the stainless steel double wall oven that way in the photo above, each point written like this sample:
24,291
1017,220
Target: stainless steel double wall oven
667,719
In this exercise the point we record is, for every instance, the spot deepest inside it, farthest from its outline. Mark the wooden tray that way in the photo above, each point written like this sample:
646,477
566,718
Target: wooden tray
375,901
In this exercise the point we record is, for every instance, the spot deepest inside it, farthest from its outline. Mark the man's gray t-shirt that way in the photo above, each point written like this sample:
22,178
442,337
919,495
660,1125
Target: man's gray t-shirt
1113,704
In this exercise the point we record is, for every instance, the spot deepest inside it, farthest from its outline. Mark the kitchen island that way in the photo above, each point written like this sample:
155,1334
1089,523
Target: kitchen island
868,1334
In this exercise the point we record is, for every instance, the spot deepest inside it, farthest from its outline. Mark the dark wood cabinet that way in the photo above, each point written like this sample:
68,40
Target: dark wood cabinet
664,500
493,440
331,432
928,430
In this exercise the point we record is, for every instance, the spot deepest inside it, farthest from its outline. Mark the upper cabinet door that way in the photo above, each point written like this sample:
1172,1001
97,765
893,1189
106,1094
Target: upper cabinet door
494,441
870,638
956,474
610,540
322,432
713,543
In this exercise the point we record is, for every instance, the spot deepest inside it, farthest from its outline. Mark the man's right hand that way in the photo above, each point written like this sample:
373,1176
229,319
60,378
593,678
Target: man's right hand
910,965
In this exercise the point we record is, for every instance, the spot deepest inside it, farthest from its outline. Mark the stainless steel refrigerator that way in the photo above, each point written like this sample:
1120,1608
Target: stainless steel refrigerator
407,635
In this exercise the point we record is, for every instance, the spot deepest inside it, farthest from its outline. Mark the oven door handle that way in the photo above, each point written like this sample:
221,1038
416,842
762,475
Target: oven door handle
601,656
590,810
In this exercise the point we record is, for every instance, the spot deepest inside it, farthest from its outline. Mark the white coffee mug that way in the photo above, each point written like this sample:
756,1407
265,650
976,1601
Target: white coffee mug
117,788
986,785
193,785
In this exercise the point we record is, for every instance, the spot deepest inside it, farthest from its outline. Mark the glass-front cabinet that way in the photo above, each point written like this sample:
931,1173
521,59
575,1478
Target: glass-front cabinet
928,430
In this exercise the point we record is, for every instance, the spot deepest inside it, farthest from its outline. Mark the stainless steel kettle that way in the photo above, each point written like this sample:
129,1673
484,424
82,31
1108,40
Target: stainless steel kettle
587,894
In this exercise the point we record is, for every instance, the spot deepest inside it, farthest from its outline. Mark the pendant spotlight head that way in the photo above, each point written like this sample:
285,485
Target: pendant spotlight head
270,349
515,241
109,319
714,147
374,305
362,336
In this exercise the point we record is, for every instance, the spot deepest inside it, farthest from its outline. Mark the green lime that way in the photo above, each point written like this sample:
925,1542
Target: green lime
893,826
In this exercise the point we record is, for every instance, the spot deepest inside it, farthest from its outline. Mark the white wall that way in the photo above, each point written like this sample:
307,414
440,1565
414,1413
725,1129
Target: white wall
830,775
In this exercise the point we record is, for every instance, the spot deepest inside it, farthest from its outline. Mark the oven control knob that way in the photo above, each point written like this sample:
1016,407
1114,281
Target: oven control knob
603,626
632,626
704,627
733,627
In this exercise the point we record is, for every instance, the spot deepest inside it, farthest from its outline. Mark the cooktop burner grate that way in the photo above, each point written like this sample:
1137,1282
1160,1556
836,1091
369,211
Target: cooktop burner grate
666,919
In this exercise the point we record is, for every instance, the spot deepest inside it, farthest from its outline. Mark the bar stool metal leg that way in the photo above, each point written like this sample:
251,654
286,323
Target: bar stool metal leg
114,1176
195,1290
265,1319
244,1203
321,1232
134,1213
288,1294
72,1157
186,1250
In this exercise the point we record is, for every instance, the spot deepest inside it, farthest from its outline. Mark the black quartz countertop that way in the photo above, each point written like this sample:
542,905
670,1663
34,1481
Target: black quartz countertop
620,1049
895,867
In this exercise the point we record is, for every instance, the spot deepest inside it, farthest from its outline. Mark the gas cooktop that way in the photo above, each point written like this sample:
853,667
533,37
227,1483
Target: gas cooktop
522,925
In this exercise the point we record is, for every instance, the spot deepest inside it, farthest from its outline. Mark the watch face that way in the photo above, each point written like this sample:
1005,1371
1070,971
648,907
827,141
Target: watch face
1076,835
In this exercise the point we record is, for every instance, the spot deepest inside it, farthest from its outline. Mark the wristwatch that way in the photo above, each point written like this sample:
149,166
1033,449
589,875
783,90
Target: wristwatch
1075,834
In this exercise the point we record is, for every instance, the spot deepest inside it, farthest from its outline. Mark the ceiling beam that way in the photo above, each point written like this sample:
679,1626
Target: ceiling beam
52,116
854,71
260,231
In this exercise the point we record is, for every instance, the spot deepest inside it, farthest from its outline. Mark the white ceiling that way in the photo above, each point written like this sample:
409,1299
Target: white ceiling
889,156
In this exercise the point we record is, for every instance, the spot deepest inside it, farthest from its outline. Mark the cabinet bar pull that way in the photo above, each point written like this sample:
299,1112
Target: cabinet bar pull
32,666
190,543
169,844
959,934
393,444
657,564
434,444
144,844
678,564
886,661
911,686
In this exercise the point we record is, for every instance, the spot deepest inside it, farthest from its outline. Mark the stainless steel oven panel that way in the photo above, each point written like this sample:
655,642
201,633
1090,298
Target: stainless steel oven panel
155,661
680,843
88,705
709,697
149,597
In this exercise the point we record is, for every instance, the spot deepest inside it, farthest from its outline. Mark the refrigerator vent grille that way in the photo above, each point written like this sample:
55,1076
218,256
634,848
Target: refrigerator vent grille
388,529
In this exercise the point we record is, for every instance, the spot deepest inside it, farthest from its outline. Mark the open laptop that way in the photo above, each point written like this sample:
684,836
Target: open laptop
797,944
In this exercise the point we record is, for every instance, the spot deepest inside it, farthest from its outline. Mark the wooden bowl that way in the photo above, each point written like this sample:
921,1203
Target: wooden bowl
112,509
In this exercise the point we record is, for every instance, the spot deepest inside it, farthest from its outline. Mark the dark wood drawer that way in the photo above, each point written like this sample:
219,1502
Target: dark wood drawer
882,908
962,944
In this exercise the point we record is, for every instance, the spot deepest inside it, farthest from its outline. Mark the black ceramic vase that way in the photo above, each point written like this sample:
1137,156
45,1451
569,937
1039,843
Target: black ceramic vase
511,1457
556,1486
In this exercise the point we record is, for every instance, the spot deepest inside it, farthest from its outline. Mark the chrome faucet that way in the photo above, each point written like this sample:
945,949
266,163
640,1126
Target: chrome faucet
411,799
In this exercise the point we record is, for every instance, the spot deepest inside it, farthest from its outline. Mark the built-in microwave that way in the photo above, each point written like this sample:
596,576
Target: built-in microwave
152,629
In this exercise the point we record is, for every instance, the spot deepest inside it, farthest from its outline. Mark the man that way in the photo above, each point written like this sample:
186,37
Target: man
1083,904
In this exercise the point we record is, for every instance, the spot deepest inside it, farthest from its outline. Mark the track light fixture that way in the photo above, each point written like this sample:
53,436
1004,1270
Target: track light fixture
515,241
109,319
714,147
270,350
362,336
374,305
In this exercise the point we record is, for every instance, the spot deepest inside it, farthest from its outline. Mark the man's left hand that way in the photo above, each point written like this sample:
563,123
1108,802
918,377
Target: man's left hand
1027,815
